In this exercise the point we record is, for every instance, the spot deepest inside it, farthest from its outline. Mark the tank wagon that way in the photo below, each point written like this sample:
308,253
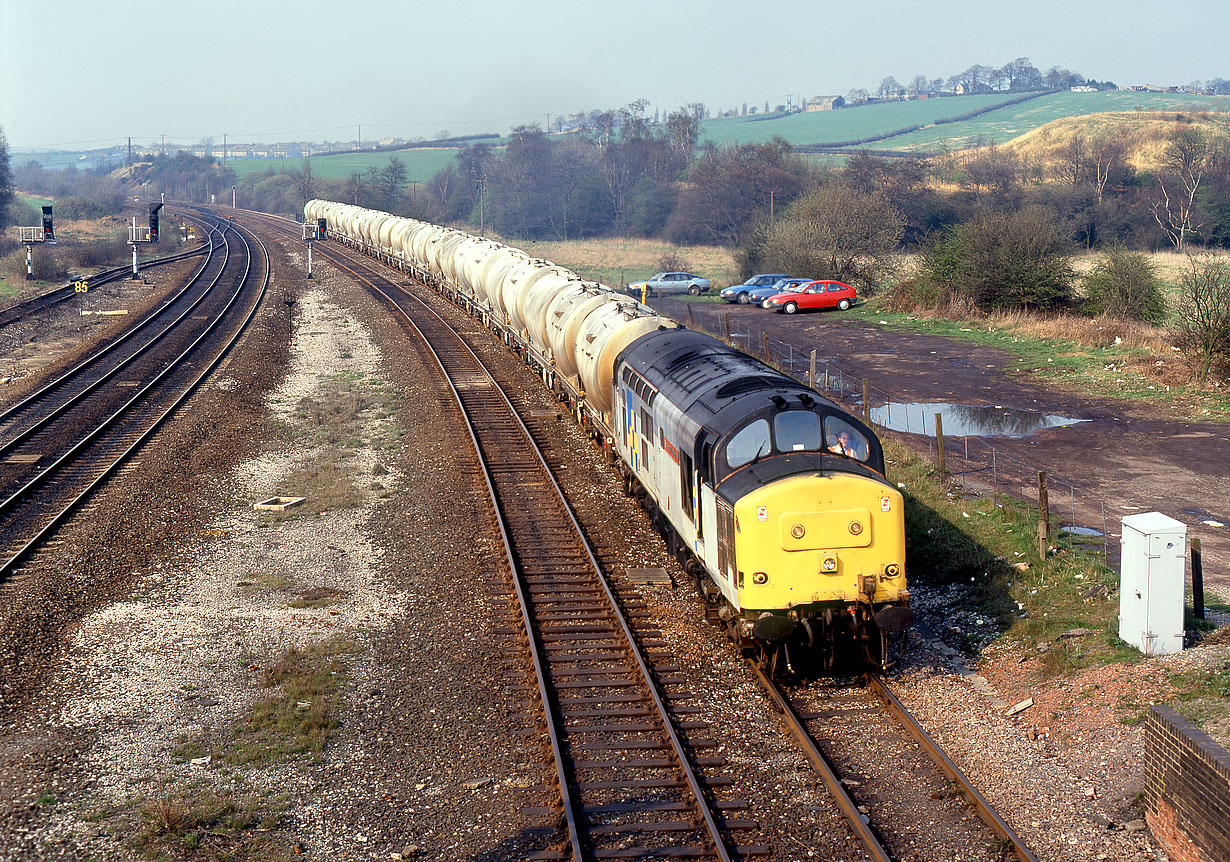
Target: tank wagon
773,497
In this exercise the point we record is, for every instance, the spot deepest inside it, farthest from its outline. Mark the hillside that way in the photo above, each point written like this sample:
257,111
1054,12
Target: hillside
1018,119
1144,136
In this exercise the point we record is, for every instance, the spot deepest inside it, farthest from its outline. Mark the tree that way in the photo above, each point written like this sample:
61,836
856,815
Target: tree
305,183
835,231
1190,155
888,87
1202,315
919,85
1124,284
6,181
729,188
1002,261
391,185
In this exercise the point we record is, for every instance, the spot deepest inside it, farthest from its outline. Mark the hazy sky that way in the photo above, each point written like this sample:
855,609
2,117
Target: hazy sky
85,73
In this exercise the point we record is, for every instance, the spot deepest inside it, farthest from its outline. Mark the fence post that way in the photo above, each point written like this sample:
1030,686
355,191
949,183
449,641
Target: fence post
866,402
939,441
811,377
1197,580
727,316
764,345
1044,516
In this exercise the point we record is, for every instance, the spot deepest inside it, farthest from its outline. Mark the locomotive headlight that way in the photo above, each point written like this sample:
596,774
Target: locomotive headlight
829,564
797,531
856,527
760,578
892,570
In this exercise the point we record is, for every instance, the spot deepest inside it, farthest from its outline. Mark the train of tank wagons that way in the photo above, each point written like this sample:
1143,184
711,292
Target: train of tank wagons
772,496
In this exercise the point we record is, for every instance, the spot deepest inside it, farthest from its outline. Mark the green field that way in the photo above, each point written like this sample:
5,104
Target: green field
1009,122
845,124
421,163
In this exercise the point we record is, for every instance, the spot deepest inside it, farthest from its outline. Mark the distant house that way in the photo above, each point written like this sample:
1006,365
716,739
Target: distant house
1083,88
824,103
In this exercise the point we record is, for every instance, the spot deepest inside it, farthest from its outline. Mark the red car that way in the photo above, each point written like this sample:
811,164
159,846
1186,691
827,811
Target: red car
815,294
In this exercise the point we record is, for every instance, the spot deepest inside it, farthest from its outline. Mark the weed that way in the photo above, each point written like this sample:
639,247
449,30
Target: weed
297,720
318,597
47,798
220,823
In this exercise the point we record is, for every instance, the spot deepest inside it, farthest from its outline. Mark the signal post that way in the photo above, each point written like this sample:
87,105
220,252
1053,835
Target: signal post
143,235
39,233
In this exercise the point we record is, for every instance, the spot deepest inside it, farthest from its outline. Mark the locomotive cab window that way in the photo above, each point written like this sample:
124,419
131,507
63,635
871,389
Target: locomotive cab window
750,443
842,438
797,431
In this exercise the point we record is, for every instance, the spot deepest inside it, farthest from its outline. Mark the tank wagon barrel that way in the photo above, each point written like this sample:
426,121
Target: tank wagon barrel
772,496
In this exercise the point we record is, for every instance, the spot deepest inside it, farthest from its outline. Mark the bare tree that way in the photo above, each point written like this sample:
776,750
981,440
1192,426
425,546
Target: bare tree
888,87
1071,164
918,86
1190,156
305,182
1202,316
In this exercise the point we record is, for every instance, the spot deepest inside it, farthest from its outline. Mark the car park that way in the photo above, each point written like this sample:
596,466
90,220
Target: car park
786,285
815,294
671,282
739,292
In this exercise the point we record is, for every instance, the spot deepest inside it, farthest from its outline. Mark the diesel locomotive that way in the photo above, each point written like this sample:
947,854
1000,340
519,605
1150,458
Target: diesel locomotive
772,496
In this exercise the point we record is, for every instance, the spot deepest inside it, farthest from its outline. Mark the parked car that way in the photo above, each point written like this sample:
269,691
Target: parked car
815,294
671,282
786,285
739,292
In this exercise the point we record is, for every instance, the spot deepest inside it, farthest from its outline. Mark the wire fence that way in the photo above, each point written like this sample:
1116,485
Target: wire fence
972,460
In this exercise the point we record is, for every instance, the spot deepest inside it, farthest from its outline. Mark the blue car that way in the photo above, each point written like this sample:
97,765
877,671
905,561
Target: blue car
739,292
760,295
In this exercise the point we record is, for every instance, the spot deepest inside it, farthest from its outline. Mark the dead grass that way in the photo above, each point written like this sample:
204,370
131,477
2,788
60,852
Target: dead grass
208,824
606,259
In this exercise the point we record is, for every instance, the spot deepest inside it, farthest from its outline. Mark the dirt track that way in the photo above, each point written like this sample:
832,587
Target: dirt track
1125,455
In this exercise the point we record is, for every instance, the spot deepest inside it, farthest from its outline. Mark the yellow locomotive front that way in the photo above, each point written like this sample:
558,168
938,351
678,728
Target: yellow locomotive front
814,541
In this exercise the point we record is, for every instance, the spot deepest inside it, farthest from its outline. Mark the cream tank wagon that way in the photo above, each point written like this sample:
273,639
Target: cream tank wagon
773,497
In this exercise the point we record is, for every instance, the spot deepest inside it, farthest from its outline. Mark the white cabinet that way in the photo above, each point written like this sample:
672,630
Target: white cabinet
1152,583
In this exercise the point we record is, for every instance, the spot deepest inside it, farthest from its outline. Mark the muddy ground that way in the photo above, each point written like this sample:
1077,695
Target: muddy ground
1126,455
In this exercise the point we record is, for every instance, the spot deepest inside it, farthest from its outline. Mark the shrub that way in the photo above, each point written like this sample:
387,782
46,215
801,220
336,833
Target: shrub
1202,315
1125,284
1004,261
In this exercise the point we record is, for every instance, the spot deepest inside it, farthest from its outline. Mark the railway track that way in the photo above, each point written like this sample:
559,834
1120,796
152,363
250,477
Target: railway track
632,774
597,706
882,748
21,310
61,443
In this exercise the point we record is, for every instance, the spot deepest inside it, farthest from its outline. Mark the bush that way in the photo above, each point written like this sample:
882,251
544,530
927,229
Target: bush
1202,315
1124,284
673,261
1004,261
834,231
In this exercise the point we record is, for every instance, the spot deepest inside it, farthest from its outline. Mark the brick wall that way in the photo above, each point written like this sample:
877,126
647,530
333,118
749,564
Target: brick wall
1187,789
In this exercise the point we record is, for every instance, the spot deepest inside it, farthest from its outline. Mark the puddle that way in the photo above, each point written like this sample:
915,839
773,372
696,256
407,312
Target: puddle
1082,531
983,420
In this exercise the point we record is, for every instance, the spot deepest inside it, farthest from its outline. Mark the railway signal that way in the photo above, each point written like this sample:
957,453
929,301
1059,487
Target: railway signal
311,233
142,235
153,222
38,233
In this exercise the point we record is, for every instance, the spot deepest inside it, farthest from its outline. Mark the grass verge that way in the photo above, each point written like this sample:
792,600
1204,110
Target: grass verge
988,546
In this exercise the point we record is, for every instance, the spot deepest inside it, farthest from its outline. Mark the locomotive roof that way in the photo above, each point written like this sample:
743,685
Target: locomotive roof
697,372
